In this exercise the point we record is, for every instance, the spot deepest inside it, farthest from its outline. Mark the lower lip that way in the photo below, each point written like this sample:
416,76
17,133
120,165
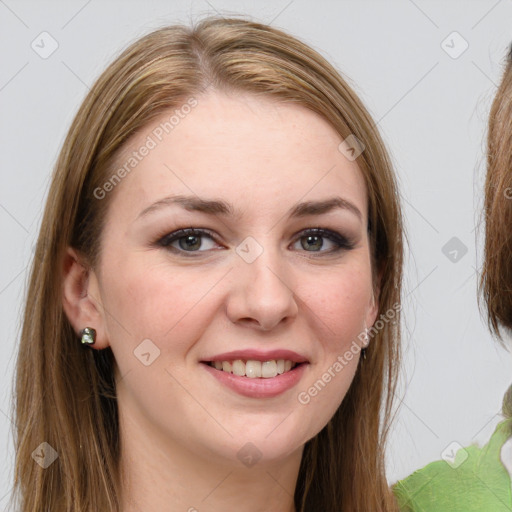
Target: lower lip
259,387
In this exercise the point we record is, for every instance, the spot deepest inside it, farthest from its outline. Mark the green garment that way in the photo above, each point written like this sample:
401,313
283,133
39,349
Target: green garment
475,480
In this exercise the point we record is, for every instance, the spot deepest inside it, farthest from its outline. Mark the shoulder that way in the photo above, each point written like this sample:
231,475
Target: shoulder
469,479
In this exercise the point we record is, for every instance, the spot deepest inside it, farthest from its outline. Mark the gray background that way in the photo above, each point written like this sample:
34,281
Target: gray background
431,109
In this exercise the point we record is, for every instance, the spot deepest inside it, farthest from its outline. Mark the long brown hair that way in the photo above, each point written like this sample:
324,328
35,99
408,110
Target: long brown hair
65,396
496,277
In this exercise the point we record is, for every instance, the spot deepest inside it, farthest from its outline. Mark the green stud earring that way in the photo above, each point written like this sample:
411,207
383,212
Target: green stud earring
88,336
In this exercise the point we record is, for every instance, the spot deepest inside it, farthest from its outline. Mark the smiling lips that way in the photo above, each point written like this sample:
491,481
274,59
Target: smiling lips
255,363
264,387
257,374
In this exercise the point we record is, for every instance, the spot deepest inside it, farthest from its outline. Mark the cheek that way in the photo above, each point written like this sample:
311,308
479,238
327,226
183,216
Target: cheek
338,307
152,300
342,302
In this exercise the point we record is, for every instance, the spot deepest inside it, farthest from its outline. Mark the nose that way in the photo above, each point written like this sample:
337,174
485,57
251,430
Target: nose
261,293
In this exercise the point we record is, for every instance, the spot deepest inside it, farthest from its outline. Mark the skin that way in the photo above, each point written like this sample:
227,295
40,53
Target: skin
181,429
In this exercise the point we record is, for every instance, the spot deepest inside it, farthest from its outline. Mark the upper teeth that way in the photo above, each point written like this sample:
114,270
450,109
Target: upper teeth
254,369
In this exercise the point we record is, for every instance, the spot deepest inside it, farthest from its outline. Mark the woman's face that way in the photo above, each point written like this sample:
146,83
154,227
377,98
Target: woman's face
254,279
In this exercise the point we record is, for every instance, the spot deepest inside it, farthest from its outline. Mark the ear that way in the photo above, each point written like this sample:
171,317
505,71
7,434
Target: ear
81,298
373,308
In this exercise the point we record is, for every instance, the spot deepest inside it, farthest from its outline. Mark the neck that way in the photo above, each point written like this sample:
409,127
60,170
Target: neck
158,473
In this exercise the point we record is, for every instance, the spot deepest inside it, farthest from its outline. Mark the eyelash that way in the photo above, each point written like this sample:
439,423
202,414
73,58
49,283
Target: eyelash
343,243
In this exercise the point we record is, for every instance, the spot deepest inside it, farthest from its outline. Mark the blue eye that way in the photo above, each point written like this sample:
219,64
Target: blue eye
188,241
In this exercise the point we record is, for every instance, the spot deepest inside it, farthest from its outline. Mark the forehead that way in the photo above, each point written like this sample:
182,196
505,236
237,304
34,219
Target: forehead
253,150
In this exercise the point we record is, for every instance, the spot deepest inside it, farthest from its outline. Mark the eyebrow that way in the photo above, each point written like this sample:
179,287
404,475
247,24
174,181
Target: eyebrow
220,207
